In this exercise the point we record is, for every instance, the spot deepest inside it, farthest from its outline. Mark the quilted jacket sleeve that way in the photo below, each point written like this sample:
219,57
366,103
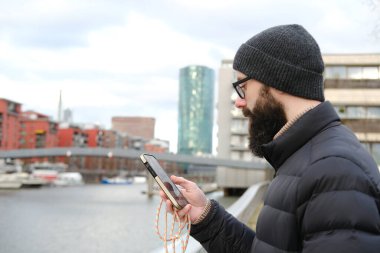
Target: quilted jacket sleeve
221,232
339,208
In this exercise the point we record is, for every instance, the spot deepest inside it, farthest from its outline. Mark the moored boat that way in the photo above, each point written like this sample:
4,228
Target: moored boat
117,180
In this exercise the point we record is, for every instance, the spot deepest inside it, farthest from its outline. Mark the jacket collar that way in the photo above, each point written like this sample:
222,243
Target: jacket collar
306,127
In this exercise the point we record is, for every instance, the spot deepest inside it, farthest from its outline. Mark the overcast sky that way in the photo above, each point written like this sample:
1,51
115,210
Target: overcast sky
122,58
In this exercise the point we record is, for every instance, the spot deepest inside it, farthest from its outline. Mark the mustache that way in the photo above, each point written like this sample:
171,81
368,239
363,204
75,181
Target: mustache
246,112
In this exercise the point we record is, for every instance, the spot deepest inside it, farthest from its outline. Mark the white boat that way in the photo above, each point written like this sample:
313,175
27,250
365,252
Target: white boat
69,179
17,180
10,181
117,180
48,172
139,179
31,181
9,175
13,177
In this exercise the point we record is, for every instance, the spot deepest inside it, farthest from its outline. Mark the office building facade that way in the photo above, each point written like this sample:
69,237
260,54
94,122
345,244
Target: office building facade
195,110
352,85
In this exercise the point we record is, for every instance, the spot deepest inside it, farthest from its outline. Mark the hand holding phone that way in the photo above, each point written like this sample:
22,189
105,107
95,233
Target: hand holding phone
163,180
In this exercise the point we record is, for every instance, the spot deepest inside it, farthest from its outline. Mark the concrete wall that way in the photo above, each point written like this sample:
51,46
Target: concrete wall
241,178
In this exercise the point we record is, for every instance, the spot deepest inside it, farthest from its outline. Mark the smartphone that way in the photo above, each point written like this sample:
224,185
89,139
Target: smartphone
163,180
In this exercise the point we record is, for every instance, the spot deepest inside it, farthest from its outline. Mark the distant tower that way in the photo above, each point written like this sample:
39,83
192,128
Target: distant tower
196,110
68,115
59,118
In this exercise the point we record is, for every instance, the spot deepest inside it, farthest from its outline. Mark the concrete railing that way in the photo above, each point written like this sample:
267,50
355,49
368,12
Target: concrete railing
243,209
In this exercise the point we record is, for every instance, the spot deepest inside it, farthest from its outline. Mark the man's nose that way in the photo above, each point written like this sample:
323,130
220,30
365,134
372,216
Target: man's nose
240,103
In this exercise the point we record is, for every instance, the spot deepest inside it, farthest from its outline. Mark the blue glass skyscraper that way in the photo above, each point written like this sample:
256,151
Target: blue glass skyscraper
196,110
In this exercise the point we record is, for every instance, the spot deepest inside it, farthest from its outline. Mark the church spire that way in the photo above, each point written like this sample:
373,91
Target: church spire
59,118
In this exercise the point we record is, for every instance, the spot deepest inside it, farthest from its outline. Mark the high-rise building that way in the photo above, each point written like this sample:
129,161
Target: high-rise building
135,126
352,85
196,109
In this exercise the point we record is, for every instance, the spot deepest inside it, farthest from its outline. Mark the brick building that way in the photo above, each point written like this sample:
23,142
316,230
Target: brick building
157,146
38,131
114,139
95,135
135,126
9,124
72,136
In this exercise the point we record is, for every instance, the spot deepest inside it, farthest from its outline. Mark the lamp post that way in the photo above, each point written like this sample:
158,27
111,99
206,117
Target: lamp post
68,155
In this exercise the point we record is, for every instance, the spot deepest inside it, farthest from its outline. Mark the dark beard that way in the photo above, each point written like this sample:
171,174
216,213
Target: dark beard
267,118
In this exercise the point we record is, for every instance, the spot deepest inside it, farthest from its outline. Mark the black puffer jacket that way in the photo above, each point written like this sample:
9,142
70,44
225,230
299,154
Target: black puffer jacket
325,196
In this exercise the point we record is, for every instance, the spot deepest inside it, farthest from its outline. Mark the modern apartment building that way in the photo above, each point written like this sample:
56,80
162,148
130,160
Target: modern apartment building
232,125
352,85
195,110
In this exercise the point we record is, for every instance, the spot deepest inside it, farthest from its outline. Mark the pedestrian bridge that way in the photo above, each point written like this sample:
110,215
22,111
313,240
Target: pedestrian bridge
131,154
230,174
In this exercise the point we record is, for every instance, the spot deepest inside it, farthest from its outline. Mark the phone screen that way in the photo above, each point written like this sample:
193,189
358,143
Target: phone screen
172,188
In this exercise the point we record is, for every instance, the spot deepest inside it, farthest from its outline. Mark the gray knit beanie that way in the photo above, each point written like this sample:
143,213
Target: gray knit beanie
284,57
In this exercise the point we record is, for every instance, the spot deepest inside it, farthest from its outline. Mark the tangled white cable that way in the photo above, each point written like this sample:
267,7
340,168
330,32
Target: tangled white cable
173,237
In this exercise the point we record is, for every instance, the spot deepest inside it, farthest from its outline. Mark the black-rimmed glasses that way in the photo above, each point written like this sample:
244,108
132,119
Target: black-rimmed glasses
238,86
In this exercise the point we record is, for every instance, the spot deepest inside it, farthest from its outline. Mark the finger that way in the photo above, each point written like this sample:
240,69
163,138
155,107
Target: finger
184,211
163,195
181,181
169,206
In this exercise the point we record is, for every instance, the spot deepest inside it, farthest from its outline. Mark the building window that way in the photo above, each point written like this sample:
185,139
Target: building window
236,112
235,155
40,140
239,125
335,72
240,141
363,72
371,73
235,140
248,156
352,72
358,112
373,112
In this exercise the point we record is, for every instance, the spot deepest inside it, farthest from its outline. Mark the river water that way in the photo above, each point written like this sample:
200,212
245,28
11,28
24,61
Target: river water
89,218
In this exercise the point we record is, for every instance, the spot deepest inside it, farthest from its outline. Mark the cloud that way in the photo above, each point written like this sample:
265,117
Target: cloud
55,24
112,57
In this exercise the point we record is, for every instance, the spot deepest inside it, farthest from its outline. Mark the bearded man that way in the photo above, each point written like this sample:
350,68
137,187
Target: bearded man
325,196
